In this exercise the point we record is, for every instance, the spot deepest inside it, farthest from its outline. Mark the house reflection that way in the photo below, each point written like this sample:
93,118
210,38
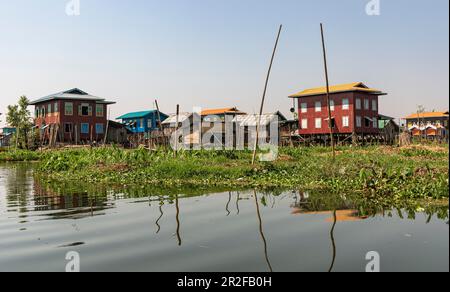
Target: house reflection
69,204
338,209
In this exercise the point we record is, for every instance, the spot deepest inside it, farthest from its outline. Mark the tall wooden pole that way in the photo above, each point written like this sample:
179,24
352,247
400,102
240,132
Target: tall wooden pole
105,139
176,131
160,122
264,95
330,122
159,115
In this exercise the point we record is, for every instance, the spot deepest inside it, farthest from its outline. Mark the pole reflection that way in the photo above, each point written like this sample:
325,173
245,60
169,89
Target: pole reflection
238,197
227,207
160,216
333,241
261,231
177,206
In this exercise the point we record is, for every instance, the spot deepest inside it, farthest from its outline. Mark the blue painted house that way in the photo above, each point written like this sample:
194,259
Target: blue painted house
143,122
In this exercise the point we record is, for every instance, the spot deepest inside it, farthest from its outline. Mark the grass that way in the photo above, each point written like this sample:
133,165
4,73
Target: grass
381,174
19,155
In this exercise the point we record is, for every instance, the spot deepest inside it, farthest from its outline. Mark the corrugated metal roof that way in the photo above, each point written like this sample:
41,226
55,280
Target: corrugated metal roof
136,115
252,120
356,86
72,94
172,119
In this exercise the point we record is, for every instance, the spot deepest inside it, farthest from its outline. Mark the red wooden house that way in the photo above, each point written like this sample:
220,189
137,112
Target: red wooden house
76,115
354,110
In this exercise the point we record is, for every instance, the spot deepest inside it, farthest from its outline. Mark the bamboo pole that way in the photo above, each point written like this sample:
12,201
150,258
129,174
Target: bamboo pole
160,122
107,128
330,122
264,95
176,131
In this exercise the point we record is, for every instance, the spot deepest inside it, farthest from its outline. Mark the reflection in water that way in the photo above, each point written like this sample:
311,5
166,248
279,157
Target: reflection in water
261,231
228,204
177,206
333,242
160,216
237,203
33,212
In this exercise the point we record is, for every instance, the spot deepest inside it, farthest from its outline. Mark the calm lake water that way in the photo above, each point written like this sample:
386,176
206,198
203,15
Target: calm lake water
223,231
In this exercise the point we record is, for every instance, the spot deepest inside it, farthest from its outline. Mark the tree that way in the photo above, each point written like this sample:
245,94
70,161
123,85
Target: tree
18,116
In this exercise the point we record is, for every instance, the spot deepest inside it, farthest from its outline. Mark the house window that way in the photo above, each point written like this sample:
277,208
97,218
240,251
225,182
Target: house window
99,110
68,128
367,122
99,129
85,110
366,104
141,123
374,105
49,108
149,124
358,122
375,123
332,105
36,113
319,123
345,122
304,107
358,103
345,104
56,107
305,124
318,106
68,109
43,112
84,128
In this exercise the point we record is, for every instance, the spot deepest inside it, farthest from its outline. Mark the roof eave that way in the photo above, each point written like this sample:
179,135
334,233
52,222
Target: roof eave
379,93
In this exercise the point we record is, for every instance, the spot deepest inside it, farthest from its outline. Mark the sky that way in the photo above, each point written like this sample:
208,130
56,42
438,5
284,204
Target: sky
215,53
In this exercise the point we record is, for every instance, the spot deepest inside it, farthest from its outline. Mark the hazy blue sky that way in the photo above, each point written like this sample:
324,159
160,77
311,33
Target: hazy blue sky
215,53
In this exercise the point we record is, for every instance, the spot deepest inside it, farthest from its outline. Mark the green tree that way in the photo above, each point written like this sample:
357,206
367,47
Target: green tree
18,116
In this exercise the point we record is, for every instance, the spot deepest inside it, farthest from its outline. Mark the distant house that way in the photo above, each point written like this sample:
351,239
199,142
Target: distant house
389,129
5,136
144,121
248,123
189,131
117,133
213,123
75,115
211,115
429,124
354,107
7,131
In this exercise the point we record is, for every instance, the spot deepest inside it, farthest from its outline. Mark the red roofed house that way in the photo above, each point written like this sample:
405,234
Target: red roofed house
354,111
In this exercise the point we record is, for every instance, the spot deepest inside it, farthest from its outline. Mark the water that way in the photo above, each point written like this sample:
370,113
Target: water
223,232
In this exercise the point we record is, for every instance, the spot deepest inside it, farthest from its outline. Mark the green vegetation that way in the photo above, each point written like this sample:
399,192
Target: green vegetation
19,155
18,117
380,174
